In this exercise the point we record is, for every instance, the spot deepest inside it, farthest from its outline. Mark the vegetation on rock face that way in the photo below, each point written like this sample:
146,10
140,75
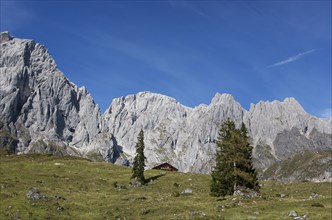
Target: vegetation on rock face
139,160
75,188
94,156
234,168
52,147
303,166
8,141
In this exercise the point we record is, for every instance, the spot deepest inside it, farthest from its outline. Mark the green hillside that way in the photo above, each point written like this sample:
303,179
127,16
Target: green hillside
75,188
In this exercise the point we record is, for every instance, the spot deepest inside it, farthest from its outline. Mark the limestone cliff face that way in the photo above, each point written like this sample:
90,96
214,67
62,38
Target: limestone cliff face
281,130
186,137
42,111
40,107
174,133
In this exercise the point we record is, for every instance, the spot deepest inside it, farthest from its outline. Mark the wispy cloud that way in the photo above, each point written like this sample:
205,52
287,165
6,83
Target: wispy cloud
14,15
147,55
292,59
189,6
326,113
161,59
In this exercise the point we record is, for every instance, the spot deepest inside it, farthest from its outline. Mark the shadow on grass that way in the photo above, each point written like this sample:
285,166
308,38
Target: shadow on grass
153,178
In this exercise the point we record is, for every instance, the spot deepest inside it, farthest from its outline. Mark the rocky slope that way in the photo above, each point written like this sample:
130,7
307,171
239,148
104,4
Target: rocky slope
41,111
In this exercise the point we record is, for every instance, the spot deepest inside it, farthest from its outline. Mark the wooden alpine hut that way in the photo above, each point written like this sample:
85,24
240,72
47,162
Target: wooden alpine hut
165,166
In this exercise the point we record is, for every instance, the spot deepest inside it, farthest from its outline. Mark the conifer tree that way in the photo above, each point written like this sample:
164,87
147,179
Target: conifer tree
247,175
222,175
139,160
233,167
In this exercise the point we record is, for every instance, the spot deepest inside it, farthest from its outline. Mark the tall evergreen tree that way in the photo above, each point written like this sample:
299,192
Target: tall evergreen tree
222,175
233,167
139,160
247,175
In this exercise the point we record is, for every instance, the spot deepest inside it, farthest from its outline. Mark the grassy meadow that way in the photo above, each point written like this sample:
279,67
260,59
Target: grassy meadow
80,189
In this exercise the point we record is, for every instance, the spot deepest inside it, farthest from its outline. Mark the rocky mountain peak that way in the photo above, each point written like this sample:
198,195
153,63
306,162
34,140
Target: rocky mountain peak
41,108
150,96
293,105
222,99
5,36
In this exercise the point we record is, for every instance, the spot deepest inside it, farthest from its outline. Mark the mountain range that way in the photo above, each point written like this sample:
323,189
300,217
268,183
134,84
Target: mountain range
41,111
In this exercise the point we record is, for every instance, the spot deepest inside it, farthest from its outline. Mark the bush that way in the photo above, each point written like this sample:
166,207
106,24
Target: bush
176,194
316,204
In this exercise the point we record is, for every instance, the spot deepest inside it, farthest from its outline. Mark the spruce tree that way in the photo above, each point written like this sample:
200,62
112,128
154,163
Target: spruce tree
247,175
233,167
222,175
139,160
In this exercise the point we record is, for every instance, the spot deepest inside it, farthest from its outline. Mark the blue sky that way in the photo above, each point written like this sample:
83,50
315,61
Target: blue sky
189,50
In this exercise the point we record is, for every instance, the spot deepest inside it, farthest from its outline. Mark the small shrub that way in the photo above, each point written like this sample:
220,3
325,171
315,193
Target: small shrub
118,186
122,187
176,194
145,211
221,198
316,204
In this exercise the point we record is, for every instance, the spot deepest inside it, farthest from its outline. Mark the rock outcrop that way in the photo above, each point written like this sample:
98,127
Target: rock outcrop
42,111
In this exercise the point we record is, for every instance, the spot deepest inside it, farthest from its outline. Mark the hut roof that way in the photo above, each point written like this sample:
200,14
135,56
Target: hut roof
165,166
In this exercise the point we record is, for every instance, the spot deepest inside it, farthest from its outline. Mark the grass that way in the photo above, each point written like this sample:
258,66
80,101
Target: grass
305,165
81,189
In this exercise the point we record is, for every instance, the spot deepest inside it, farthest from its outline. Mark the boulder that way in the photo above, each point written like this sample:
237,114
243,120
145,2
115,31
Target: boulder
35,194
293,214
